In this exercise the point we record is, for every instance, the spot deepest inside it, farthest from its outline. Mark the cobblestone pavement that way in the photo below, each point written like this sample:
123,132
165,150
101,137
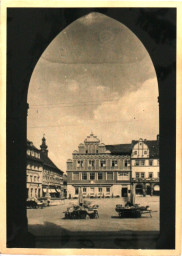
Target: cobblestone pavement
50,220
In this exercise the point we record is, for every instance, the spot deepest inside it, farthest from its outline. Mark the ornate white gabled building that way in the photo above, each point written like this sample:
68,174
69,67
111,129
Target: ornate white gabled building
145,166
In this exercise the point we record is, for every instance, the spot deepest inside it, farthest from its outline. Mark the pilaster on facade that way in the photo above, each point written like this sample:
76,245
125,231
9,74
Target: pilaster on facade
96,165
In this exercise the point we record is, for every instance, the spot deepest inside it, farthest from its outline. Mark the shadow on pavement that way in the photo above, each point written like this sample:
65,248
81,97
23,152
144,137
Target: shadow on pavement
117,217
50,235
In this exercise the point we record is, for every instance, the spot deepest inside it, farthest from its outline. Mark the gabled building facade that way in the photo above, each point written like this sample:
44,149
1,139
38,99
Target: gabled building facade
99,170
43,176
145,166
33,171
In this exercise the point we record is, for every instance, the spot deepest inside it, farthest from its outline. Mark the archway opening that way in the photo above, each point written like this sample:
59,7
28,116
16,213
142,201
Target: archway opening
17,140
139,189
95,75
156,190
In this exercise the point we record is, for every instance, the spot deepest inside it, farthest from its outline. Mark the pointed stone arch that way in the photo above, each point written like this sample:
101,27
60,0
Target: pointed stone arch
23,54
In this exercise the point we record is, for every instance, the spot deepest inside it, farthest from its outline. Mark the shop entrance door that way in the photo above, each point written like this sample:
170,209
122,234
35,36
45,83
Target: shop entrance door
124,192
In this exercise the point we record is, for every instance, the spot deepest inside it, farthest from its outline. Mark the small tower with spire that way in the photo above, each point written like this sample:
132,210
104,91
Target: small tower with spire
43,146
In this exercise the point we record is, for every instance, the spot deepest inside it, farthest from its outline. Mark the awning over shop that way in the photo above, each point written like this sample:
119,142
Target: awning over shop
58,190
156,188
44,190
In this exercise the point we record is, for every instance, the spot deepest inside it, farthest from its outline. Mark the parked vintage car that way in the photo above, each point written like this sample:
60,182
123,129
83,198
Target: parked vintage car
34,203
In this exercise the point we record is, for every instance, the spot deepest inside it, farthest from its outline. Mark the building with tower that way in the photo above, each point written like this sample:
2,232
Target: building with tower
99,170
44,178
52,176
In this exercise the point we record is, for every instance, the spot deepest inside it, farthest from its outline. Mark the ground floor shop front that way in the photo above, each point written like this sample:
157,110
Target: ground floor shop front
98,191
151,188
51,191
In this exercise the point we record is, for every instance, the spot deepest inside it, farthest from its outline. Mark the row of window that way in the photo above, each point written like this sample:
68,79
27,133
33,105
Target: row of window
91,163
99,176
33,192
33,153
34,167
51,178
91,190
114,163
144,162
135,152
143,175
33,178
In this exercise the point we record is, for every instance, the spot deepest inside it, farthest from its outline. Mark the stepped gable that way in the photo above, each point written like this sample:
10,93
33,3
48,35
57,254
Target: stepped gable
92,139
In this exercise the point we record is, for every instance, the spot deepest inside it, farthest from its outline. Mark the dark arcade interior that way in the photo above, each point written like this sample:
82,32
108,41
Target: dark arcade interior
29,32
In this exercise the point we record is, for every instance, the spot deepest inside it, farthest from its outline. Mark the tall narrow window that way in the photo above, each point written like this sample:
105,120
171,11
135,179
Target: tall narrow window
92,176
150,175
84,176
142,175
91,163
137,162
100,175
108,189
142,162
76,191
102,163
150,162
137,175
80,163
114,163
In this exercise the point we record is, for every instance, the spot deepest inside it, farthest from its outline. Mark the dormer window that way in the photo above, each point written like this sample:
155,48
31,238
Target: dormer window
135,152
86,152
145,152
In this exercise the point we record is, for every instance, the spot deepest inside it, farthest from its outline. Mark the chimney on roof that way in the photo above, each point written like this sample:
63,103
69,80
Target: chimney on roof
43,146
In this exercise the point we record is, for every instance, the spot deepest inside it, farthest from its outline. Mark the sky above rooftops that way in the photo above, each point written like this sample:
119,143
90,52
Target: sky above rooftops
97,76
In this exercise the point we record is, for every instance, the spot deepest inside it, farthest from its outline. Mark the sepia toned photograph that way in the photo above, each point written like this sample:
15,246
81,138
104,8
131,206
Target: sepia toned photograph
91,142
93,108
